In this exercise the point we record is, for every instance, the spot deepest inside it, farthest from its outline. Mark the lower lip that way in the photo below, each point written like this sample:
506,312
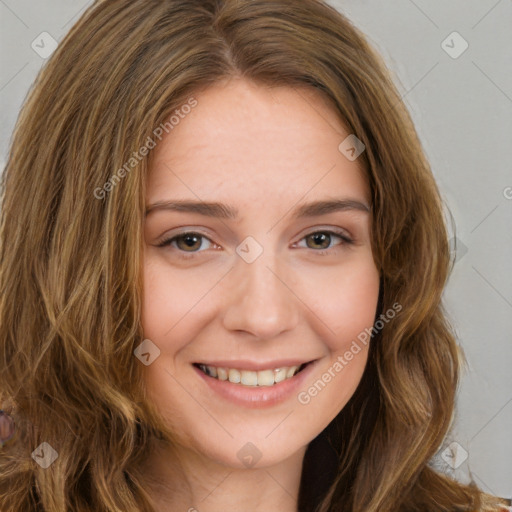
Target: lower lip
258,396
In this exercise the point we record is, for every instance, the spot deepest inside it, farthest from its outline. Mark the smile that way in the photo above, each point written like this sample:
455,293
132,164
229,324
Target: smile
251,378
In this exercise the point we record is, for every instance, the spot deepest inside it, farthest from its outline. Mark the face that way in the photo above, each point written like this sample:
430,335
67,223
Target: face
251,283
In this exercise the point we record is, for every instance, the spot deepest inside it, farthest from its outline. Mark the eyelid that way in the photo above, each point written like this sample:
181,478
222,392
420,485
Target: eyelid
167,239
336,230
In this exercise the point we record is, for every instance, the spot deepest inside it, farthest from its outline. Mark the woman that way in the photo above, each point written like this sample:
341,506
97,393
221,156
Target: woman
259,370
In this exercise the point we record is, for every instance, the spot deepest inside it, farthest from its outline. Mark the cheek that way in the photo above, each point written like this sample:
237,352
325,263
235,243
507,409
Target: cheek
347,311
170,297
344,301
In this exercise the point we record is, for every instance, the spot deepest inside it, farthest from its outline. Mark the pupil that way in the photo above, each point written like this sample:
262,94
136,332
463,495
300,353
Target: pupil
320,236
190,240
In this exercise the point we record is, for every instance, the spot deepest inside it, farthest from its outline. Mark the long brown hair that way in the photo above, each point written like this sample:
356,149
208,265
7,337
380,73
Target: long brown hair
71,253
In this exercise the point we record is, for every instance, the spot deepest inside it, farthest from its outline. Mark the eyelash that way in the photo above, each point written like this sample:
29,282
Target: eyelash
189,255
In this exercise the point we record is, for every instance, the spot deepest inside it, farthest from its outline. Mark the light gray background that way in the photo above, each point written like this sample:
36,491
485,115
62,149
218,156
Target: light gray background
463,112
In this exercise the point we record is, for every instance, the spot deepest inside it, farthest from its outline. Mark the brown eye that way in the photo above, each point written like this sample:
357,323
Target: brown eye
190,241
185,242
320,238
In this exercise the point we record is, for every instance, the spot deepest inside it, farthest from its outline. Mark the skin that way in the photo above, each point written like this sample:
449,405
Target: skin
264,151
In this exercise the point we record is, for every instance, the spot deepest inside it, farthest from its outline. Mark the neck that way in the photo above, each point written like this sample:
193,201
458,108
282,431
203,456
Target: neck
183,479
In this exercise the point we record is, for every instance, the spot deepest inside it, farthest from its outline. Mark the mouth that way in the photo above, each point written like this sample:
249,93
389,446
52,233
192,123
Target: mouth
250,378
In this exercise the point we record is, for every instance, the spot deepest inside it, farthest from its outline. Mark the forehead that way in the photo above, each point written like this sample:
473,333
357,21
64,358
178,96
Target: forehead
252,143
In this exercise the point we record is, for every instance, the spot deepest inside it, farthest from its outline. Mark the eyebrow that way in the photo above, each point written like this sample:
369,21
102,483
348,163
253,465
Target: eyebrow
222,211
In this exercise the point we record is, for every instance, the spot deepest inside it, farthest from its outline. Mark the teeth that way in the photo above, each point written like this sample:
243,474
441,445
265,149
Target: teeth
251,378
291,371
234,376
279,374
265,377
222,373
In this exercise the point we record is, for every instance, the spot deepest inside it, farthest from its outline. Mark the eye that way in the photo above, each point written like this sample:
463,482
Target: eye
324,239
185,242
191,242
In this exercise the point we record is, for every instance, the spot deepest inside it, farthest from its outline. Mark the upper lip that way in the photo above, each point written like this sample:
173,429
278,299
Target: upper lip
255,366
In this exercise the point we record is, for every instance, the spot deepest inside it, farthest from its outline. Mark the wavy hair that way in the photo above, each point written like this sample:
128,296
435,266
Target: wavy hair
71,280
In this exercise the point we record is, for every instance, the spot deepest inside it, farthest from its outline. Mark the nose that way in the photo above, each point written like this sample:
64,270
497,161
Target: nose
261,299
